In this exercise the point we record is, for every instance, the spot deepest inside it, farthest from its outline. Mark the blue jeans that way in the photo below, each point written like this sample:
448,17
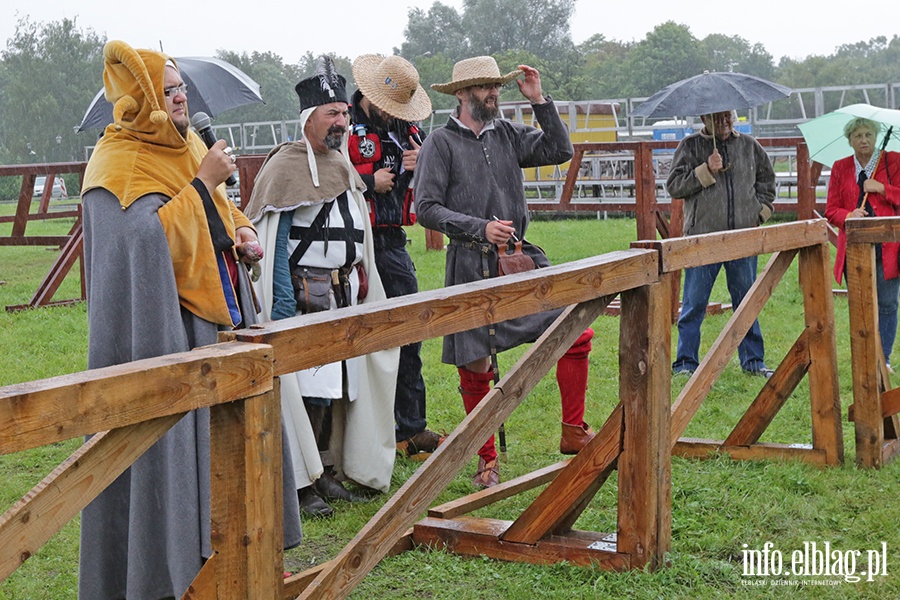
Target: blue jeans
698,284
888,290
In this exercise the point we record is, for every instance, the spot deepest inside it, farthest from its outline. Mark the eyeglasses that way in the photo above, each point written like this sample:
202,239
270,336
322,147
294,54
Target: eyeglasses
486,87
170,92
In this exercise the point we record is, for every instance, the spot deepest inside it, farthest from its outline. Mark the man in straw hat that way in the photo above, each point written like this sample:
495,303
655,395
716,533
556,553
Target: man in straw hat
383,148
160,246
727,182
469,186
308,207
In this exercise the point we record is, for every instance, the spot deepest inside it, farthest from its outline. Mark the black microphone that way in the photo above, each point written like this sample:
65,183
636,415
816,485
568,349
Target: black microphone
200,121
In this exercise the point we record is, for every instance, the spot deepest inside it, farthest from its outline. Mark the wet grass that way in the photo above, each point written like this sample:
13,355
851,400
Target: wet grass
718,505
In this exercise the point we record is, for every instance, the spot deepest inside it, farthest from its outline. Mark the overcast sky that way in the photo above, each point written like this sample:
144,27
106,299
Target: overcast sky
290,29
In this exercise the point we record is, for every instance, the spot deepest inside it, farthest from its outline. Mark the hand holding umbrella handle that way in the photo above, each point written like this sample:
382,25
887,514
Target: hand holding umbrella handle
714,162
884,143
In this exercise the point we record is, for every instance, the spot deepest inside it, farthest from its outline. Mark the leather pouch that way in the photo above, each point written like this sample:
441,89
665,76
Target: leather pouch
312,288
511,259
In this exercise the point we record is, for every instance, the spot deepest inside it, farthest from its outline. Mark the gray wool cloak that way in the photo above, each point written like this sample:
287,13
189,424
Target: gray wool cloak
462,182
145,537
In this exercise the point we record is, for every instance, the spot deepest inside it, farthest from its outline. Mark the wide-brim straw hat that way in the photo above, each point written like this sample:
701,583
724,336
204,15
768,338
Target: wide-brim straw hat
392,84
474,71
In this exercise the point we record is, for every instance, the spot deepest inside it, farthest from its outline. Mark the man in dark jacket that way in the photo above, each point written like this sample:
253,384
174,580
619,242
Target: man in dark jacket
727,182
384,148
469,186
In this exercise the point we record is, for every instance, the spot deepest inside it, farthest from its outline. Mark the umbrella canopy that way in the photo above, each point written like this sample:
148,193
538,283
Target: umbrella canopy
825,135
710,93
214,86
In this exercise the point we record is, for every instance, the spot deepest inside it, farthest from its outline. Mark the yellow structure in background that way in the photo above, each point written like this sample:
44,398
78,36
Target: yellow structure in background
588,122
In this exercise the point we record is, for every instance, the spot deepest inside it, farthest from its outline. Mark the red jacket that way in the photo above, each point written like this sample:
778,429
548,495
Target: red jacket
843,197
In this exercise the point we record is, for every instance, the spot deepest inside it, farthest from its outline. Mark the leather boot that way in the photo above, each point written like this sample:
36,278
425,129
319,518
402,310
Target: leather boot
574,438
488,473
330,488
474,387
312,505
572,377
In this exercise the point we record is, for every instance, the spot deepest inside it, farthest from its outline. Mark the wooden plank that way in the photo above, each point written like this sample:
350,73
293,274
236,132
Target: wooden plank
330,336
60,496
773,395
872,230
203,587
42,412
501,491
581,548
696,250
890,405
24,205
370,545
890,402
34,240
578,480
645,192
71,252
644,503
246,498
824,388
571,177
57,214
715,361
865,348
481,537
703,449
806,184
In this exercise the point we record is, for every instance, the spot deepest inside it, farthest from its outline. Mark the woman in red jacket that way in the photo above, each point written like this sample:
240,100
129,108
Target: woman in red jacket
851,178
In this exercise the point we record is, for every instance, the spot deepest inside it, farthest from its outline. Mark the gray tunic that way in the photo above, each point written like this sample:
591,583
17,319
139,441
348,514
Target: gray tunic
462,182
145,536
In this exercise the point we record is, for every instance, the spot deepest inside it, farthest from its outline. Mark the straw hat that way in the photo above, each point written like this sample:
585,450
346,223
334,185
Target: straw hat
474,71
392,84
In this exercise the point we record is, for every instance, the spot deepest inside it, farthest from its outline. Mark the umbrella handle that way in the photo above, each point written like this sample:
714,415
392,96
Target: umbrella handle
884,144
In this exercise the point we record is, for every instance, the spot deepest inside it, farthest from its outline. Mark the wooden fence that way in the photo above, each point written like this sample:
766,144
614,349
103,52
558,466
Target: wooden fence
814,353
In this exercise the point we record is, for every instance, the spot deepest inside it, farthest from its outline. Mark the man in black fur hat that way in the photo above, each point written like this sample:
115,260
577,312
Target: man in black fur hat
308,208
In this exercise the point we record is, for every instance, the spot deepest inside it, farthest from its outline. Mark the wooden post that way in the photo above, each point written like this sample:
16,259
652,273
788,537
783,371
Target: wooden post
645,192
865,347
645,505
824,390
806,185
247,502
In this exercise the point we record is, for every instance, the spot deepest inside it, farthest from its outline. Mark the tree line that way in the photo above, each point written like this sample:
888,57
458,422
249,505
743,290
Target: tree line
50,72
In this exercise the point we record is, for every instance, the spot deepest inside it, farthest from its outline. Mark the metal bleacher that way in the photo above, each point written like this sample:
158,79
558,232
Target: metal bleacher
610,175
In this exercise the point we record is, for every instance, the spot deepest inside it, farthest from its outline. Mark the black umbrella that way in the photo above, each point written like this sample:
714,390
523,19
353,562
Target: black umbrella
710,93
214,86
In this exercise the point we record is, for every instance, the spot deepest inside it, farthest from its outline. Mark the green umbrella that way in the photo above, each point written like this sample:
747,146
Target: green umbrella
825,135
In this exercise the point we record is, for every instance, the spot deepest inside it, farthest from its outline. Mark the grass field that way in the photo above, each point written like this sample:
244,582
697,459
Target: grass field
718,506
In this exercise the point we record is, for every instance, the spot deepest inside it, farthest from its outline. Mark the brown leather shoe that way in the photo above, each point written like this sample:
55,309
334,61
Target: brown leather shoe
574,437
421,445
488,474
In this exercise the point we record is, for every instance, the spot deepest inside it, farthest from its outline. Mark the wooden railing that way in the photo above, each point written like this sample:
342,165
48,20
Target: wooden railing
814,353
234,380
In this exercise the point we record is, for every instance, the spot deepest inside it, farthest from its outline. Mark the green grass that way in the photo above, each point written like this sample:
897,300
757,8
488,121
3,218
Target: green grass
717,505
